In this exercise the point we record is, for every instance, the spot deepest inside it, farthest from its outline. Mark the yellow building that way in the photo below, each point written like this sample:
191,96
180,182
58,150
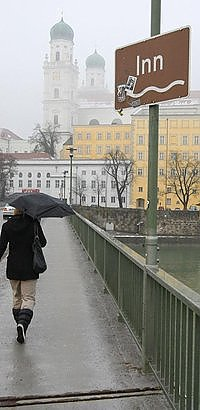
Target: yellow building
179,132
95,140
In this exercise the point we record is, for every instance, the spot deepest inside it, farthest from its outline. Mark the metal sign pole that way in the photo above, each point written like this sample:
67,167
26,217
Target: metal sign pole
151,241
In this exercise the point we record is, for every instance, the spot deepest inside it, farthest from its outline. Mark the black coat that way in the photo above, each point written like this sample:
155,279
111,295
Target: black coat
18,232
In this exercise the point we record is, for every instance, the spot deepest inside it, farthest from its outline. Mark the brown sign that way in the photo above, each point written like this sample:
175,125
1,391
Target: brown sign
153,70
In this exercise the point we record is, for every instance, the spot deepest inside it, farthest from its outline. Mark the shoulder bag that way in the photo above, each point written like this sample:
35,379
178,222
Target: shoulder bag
39,263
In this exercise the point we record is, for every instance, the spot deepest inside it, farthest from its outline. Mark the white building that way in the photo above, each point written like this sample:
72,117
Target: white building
11,143
90,183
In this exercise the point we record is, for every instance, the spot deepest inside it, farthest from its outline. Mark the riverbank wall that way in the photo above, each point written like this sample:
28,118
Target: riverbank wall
133,221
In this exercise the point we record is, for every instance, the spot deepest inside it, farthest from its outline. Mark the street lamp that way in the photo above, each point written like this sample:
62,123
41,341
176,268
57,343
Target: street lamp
71,149
65,172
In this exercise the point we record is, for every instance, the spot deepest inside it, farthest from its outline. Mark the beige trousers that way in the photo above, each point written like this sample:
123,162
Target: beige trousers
24,293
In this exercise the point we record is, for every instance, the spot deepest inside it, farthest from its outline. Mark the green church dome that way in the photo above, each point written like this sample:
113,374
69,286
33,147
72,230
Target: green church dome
95,60
61,31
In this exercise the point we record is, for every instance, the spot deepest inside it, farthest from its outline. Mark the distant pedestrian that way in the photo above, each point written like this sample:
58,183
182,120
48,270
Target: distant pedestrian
18,234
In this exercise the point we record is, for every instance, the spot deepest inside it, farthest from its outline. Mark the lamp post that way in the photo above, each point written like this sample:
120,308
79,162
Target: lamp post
65,172
71,149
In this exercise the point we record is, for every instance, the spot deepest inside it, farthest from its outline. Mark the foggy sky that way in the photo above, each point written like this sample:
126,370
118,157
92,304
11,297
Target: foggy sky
103,24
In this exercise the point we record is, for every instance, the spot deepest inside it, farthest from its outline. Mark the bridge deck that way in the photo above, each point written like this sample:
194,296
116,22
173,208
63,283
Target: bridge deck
77,354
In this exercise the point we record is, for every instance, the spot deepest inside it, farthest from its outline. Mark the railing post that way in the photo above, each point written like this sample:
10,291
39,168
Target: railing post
120,318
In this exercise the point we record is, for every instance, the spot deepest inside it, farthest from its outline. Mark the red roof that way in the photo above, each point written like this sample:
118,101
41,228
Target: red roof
27,156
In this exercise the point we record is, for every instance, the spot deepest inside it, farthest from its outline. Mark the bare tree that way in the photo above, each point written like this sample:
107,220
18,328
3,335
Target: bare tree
183,178
79,189
8,166
118,166
98,188
46,139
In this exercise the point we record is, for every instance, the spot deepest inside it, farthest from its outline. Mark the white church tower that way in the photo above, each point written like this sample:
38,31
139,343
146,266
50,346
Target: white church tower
60,80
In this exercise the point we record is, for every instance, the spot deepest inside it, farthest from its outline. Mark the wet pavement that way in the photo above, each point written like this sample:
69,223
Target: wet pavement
77,354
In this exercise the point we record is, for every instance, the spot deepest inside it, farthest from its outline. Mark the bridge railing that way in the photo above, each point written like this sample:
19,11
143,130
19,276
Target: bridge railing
160,311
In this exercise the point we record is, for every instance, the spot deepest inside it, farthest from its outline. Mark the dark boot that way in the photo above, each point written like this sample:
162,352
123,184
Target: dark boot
15,312
24,319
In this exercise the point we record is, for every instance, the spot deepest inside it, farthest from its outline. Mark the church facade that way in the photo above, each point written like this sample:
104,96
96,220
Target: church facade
65,103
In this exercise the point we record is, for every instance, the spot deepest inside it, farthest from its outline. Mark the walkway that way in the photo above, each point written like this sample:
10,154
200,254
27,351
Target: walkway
76,349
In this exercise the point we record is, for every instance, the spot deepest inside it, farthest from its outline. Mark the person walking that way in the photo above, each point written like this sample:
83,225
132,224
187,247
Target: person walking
18,234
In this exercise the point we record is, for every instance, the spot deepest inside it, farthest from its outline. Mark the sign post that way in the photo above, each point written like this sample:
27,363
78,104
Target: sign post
148,72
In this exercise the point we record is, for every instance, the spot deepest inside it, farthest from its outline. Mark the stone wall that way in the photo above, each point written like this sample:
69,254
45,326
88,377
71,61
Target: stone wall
128,220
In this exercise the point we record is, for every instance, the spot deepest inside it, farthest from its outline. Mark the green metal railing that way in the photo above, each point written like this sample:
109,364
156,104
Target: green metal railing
161,312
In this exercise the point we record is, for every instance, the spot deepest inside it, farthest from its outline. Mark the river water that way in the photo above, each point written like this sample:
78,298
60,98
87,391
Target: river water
180,259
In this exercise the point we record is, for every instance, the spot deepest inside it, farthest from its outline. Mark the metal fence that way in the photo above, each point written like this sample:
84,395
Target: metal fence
161,312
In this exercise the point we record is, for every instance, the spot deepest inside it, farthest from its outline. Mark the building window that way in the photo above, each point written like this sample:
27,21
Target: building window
168,201
48,175
161,156
20,184
103,184
185,156
47,183
196,140
57,55
113,200
126,149
185,140
127,135
141,140
113,184
39,175
103,172
29,183
83,183
140,189
56,93
56,119
140,172
93,172
99,136
88,149
84,198
20,175
102,199
140,155
196,156
79,136
169,189
88,137
117,136
161,171
93,184
29,175
123,199
93,199
57,183
38,183
92,82
98,149
79,150
162,140
84,172
108,136
11,183
56,75
108,149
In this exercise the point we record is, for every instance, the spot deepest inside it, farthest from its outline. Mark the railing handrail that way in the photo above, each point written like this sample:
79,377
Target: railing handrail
177,288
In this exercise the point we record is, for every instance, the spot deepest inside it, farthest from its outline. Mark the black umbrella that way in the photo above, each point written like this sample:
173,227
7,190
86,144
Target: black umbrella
39,205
